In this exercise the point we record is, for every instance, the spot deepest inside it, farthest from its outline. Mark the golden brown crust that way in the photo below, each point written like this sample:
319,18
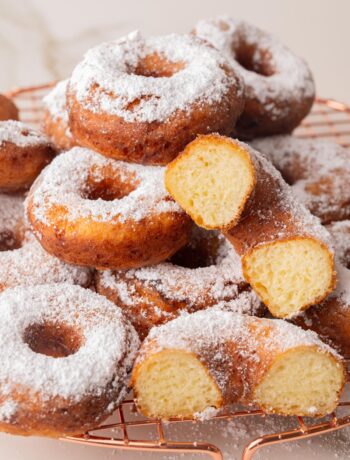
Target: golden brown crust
155,143
331,321
267,220
263,215
153,308
56,129
8,109
62,392
279,87
110,237
21,165
318,171
37,419
256,121
238,356
106,245
200,277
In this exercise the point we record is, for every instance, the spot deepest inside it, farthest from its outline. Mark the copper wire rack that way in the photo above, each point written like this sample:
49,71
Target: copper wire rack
328,119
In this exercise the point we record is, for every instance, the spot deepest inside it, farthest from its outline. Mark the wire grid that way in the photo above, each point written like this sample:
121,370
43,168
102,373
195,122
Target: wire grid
328,119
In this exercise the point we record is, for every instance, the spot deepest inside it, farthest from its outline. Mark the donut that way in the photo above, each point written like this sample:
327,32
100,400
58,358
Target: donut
8,109
23,262
197,364
56,117
318,170
340,232
31,265
142,100
23,154
331,319
287,255
204,273
92,211
65,357
11,216
279,87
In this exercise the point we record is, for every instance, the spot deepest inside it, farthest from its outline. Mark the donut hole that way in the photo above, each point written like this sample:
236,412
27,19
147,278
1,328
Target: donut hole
254,60
199,253
52,339
107,187
156,66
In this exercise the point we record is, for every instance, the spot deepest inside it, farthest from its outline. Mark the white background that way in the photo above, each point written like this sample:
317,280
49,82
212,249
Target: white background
41,40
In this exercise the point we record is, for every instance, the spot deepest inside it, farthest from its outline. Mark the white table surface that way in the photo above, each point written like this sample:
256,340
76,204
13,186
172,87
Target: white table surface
41,40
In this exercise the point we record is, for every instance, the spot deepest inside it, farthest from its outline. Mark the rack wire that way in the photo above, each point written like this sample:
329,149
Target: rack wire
328,119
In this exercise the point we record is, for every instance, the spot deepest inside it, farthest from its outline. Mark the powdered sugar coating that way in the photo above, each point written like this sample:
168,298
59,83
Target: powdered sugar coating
55,103
106,353
31,265
220,283
210,330
318,170
340,232
303,221
7,409
11,215
214,326
21,135
342,291
105,81
64,183
291,76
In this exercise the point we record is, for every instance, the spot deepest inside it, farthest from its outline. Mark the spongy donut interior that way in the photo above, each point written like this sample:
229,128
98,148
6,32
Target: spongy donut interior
211,181
174,383
289,275
302,381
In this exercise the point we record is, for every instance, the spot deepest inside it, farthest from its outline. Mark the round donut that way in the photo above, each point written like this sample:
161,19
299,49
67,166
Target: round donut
142,100
23,262
8,109
30,265
93,211
56,117
23,154
318,170
279,87
65,356
206,272
11,218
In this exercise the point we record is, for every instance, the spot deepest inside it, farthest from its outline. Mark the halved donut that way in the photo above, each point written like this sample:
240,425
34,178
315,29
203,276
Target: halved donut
197,364
23,154
286,253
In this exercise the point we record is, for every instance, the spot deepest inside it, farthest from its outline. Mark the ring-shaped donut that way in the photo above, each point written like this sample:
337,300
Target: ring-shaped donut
65,355
279,87
142,100
93,211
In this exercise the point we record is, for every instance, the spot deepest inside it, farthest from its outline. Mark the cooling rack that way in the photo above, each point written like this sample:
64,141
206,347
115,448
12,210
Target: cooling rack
328,119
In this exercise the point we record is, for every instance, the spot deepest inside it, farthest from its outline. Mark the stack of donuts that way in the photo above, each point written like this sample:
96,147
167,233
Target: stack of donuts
146,245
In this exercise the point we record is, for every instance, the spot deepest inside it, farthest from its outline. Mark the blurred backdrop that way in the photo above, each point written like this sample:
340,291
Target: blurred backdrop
41,40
